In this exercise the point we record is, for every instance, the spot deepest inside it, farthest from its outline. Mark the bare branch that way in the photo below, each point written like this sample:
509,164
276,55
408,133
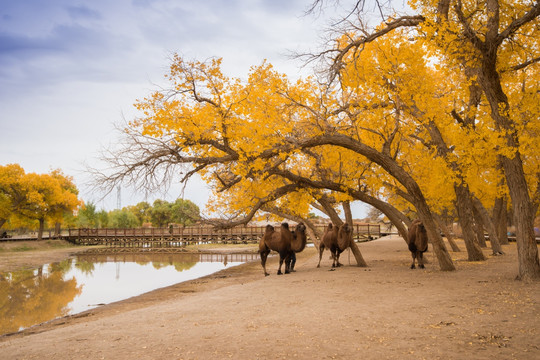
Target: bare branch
276,194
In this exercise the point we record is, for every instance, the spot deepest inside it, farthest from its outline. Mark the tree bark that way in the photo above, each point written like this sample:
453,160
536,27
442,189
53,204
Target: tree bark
447,232
478,227
360,262
41,228
500,216
57,229
490,226
464,207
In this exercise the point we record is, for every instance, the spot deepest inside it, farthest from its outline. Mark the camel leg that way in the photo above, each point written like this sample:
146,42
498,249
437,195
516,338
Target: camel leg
292,262
288,263
321,250
338,264
281,259
413,253
264,256
421,260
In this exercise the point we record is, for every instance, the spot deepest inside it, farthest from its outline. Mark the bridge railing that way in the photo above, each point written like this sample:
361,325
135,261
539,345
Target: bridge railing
188,233
361,231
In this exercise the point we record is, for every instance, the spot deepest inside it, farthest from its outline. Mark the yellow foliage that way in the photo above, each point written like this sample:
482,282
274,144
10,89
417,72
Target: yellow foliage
405,89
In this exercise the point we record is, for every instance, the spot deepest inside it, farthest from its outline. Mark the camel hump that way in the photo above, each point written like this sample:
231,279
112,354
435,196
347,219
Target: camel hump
285,225
269,228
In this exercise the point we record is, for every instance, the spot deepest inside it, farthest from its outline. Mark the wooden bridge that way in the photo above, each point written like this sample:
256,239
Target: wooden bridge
175,237
156,238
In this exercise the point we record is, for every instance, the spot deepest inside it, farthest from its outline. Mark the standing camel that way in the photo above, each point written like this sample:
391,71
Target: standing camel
298,243
417,240
279,241
336,239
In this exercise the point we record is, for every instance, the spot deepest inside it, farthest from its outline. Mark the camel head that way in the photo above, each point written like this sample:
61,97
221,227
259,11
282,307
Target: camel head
300,227
299,239
419,225
269,229
285,225
347,228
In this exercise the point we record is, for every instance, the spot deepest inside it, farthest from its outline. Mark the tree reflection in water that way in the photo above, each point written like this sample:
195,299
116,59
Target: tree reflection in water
30,297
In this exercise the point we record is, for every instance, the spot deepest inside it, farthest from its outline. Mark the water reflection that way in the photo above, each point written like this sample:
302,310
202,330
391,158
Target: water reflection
31,297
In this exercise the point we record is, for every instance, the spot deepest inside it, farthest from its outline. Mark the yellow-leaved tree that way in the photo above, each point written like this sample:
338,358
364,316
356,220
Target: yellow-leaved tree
493,47
11,192
41,197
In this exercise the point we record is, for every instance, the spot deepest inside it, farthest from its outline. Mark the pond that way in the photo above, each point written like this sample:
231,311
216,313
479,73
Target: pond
31,297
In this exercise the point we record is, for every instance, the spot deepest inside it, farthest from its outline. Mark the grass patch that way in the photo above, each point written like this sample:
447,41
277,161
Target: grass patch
33,245
23,248
58,244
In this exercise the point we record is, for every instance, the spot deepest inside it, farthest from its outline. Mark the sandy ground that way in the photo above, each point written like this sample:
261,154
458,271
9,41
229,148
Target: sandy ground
385,311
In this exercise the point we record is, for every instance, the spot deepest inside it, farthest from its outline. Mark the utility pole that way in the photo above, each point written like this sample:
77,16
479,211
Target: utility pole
118,198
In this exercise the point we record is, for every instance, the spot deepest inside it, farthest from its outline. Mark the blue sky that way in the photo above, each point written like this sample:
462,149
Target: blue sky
70,70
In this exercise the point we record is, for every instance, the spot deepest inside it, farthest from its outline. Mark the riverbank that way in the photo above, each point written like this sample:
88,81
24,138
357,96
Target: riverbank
383,311
19,255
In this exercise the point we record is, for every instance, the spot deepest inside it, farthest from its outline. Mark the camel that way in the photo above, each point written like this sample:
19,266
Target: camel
298,243
336,239
417,240
279,241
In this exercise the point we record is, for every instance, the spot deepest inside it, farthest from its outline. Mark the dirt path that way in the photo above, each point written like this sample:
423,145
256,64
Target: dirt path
386,311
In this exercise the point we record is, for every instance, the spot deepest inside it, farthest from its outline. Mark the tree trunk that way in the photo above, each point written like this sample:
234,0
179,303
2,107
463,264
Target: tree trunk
529,263
479,227
500,217
314,235
41,227
348,213
329,210
354,248
447,232
464,207
490,226
434,236
57,229
360,262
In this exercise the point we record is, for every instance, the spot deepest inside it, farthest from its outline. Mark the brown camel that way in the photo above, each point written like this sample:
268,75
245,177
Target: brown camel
417,240
279,241
298,243
336,239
